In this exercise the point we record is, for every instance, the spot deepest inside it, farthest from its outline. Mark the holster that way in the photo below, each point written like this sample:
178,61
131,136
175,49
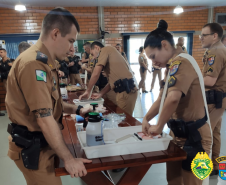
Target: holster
188,130
178,128
31,142
124,85
30,156
215,97
142,69
191,149
218,99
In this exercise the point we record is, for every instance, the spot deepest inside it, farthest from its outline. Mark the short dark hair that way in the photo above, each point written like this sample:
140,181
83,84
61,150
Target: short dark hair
3,49
97,43
23,46
155,37
59,18
87,44
141,49
223,37
215,28
118,45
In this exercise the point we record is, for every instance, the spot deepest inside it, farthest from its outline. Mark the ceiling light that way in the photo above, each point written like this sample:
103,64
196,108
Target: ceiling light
178,9
20,7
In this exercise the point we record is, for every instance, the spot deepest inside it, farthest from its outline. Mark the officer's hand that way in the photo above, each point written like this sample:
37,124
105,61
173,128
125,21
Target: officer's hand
75,167
145,127
104,74
85,110
60,73
84,66
72,63
96,96
154,130
85,95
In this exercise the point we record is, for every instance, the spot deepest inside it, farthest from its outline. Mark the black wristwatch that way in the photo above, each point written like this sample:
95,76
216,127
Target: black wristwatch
78,110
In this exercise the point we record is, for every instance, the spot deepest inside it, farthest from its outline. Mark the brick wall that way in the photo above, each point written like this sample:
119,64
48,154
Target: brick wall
30,21
198,51
113,41
145,19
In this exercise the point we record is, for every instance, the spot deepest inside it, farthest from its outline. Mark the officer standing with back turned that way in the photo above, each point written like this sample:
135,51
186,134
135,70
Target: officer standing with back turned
35,106
214,73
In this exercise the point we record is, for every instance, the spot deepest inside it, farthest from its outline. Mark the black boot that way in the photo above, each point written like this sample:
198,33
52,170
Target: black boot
2,114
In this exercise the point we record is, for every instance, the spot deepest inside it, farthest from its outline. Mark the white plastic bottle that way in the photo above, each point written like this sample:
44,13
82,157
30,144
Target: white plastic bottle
94,135
63,91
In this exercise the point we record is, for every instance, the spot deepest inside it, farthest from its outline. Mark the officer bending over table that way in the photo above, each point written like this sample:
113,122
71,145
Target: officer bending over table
35,106
119,76
183,109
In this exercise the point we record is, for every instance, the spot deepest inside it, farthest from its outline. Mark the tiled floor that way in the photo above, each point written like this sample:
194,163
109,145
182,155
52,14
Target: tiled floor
10,175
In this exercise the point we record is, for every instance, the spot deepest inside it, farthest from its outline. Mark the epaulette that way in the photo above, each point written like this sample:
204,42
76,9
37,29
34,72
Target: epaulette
42,57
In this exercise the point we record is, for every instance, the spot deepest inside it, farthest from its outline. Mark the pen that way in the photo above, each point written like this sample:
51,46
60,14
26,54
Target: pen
138,136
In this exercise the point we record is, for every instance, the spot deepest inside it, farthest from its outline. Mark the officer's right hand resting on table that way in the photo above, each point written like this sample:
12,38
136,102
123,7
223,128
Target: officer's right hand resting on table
74,166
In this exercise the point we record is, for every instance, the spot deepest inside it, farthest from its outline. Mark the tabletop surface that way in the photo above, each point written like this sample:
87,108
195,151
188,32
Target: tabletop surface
173,153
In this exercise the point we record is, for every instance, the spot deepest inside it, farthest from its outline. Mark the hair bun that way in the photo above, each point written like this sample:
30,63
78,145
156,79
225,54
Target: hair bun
163,25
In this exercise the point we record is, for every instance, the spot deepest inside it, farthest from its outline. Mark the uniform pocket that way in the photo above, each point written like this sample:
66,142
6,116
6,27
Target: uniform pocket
14,155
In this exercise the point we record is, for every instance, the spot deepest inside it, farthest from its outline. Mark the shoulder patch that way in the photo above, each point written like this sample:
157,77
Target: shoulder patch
42,57
174,67
210,69
172,81
40,75
211,59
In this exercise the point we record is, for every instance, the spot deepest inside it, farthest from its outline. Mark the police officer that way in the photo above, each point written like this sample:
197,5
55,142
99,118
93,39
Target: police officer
86,56
214,73
5,65
183,103
35,106
143,69
180,44
23,46
63,66
119,48
74,67
103,79
156,70
119,76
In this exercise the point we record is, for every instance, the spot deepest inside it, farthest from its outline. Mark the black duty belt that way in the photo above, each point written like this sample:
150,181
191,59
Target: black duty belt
189,130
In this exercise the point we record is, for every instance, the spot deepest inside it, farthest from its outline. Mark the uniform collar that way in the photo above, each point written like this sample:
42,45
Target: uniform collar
216,45
42,48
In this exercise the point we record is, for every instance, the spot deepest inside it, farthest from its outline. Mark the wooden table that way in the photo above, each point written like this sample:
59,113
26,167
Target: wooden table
137,164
